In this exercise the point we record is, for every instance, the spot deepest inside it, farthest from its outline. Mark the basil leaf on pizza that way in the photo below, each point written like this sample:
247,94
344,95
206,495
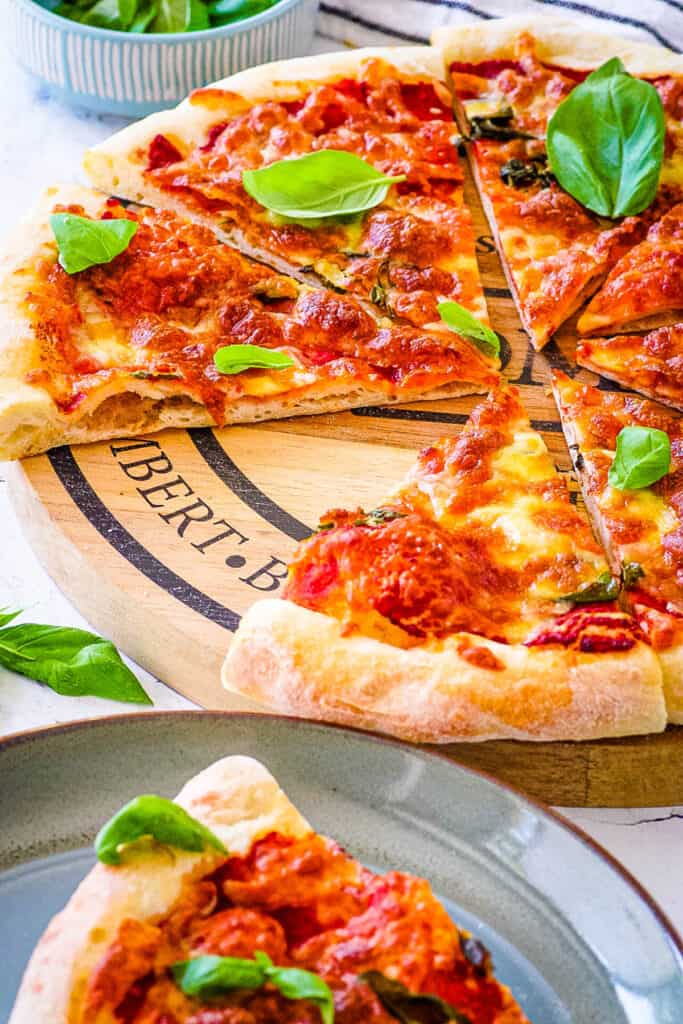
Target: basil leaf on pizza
327,183
642,457
467,326
72,662
411,1007
606,142
153,817
208,977
604,588
238,358
83,242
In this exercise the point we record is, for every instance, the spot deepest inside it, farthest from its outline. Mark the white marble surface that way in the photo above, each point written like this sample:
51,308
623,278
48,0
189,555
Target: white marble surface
42,142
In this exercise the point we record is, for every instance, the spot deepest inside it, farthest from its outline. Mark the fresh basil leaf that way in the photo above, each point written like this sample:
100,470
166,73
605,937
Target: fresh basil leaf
209,976
631,572
159,818
223,12
606,142
411,1007
238,358
7,616
198,18
71,662
605,588
379,516
464,323
327,183
146,14
84,242
643,456
295,983
172,16
111,14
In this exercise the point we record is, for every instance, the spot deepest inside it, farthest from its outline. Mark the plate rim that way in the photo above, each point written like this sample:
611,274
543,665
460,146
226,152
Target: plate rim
24,736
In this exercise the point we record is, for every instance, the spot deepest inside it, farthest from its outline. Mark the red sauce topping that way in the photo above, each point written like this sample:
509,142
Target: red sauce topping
485,68
162,153
591,629
422,100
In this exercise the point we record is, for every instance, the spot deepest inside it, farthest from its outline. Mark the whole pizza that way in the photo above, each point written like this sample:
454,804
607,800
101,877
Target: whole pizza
298,239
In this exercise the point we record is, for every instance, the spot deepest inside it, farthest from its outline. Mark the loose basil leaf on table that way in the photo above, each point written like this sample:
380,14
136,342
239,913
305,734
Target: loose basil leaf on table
328,183
605,588
72,662
158,818
464,323
207,977
606,142
238,358
411,1007
643,456
83,242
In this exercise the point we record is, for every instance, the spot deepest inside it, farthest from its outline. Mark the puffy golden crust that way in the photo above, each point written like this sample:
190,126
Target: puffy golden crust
300,662
567,43
237,798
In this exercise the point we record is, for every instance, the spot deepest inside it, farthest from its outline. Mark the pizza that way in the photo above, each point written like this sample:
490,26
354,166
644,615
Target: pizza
641,528
130,345
509,77
297,930
651,363
387,106
472,604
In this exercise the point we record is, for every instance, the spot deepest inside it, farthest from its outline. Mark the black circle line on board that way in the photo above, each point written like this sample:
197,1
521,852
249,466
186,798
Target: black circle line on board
225,469
107,525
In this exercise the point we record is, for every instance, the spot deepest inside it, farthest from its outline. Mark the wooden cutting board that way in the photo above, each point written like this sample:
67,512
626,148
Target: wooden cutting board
162,542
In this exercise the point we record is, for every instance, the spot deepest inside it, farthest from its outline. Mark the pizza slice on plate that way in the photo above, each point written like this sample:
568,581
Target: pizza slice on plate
509,77
115,322
388,109
224,907
651,363
472,604
628,455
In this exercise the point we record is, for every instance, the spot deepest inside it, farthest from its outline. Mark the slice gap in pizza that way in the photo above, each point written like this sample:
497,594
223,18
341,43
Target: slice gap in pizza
388,107
641,528
130,345
473,604
261,920
509,77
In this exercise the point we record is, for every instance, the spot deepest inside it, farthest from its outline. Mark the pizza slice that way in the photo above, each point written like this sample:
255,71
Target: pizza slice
651,363
509,77
181,330
641,526
472,604
388,107
231,910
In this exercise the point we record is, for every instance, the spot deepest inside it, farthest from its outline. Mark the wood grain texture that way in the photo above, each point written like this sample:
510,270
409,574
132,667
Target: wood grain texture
163,542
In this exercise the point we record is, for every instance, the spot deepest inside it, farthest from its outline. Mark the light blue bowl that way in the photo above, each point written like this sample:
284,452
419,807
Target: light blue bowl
132,74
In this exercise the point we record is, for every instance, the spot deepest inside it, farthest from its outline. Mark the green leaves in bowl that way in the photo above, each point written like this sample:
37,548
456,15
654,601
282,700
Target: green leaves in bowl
72,662
467,326
237,358
606,142
157,818
162,16
327,183
643,456
84,242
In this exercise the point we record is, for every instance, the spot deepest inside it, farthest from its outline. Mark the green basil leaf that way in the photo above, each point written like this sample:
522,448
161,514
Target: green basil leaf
172,16
643,456
84,242
223,12
146,14
295,983
198,18
411,1007
71,662
631,572
327,183
159,818
464,323
7,616
606,142
238,358
605,588
111,14
209,976
378,517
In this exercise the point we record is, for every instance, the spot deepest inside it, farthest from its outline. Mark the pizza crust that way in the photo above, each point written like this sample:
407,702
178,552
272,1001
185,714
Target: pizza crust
300,662
566,43
237,798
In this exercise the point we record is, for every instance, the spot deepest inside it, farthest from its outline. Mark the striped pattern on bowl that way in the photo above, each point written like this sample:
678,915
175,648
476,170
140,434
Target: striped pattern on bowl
133,75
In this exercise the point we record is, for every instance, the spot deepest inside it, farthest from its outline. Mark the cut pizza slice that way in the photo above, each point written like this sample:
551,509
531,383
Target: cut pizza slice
641,525
181,330
509,77
651,363
232,910
473,604
389,108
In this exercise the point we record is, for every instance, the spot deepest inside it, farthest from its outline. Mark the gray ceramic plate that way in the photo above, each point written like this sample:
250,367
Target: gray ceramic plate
570,933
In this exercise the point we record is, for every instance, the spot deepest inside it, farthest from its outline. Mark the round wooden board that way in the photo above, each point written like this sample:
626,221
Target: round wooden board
162,542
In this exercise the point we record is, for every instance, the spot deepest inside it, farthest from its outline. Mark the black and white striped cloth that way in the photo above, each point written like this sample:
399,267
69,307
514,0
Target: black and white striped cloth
373,22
